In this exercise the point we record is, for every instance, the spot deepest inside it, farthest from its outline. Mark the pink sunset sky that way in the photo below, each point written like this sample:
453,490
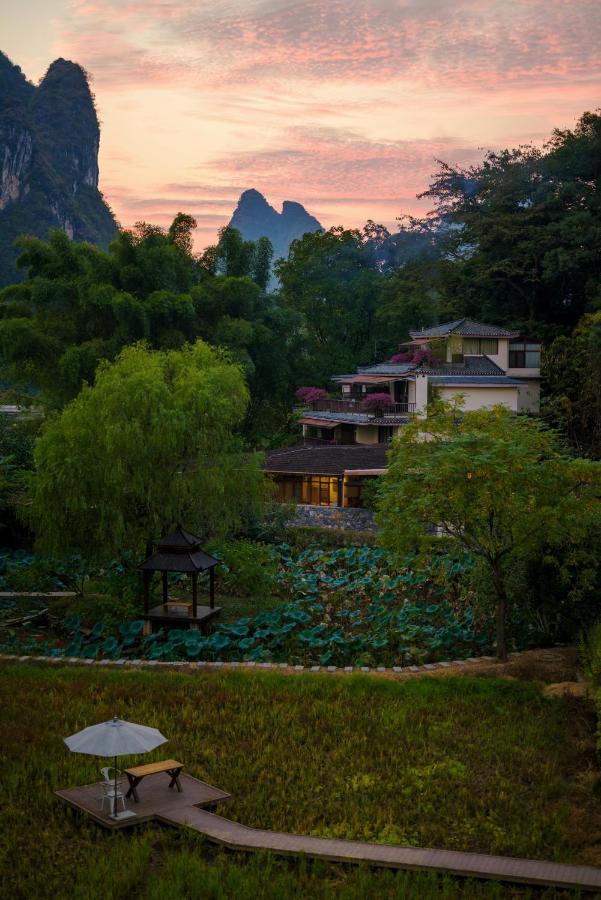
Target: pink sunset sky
343,106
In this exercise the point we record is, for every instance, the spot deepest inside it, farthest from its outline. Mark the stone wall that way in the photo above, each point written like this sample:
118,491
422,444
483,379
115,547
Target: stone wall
334,517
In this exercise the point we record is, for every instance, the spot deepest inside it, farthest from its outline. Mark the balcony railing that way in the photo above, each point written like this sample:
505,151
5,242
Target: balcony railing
364,407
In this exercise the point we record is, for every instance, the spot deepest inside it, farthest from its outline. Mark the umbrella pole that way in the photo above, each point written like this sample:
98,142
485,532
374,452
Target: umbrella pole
115,792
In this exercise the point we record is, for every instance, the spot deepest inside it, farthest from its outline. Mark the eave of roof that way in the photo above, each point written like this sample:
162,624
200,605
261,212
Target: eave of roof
466,328
344,418
476,381
195,561
333,460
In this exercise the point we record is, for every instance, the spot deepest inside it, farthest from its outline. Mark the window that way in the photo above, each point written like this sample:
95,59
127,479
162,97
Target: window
480,346
316,490
524,355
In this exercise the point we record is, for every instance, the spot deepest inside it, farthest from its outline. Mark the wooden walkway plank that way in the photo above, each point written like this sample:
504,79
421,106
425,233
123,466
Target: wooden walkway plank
475,865
158,802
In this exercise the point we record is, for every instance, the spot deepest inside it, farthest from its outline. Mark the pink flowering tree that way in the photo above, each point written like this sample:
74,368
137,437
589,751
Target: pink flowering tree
416,357
402,357
377,401
310,394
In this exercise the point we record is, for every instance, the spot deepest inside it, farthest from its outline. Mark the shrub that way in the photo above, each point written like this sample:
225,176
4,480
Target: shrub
267,524
303,536
248,568
590,654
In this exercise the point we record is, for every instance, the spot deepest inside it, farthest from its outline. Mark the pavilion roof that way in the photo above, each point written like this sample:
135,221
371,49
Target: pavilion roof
178,539
194,561
179,551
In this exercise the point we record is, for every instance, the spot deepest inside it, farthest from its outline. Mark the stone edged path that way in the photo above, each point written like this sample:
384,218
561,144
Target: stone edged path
235,836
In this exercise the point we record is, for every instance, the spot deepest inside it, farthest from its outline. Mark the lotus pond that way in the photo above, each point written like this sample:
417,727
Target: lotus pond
338,607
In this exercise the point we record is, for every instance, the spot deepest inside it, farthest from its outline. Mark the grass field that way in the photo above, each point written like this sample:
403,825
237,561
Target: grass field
474,764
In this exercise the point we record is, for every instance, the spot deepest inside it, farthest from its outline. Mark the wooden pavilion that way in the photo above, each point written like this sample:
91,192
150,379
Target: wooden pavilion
179,552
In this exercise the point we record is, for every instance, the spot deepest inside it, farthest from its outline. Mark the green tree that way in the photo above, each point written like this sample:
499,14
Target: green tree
152,443
494,484
234,256
523,232
330,278
572,386
17,437
80,305
408,301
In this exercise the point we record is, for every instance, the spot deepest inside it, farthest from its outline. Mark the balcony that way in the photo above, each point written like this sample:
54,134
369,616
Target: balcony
363,407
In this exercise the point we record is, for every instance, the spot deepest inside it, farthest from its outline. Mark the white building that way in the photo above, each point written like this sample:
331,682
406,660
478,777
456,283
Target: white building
484,364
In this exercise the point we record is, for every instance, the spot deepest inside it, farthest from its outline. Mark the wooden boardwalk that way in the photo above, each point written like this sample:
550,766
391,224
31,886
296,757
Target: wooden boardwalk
156,800
161,804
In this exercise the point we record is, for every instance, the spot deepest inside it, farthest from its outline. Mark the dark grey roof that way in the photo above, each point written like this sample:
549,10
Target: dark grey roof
464,327
195,561
385,369
471,365
333,460
344,418
180,539
475,380
179,551
350,418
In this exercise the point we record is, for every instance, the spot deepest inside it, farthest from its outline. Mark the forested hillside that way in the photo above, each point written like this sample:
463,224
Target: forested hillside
49,139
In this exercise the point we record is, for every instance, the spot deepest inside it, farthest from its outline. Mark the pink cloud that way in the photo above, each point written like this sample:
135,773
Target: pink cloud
466,42
275,79
327,162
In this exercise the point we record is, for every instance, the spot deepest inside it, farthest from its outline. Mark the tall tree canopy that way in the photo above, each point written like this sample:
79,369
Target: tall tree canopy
331,279
80,305
151,444
572,385
523,232
492,483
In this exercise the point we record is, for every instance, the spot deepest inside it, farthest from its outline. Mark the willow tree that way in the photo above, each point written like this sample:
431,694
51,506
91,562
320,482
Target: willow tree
151,444
493,483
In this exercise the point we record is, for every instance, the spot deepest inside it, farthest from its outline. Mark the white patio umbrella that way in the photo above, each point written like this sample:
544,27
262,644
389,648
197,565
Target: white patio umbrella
115,738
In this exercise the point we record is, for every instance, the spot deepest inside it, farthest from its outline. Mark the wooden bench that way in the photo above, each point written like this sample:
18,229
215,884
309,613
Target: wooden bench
171,766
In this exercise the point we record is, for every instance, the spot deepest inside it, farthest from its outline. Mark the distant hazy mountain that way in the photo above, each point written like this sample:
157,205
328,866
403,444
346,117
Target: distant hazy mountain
49,137
255,218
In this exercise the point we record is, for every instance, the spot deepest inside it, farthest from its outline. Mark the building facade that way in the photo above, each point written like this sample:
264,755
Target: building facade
483,364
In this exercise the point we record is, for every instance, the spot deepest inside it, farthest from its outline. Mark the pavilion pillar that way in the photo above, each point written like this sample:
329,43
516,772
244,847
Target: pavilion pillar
212,587
147,576
194,593
165,590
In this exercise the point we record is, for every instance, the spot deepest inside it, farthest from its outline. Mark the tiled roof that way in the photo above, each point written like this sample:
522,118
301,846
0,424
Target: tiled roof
194,561
349,418
333,460
476,381
352,418
472,365
386,369
464,327
180,539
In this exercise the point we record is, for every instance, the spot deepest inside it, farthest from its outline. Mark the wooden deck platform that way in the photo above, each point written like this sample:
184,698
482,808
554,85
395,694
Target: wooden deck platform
159,617
164,805
157,801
